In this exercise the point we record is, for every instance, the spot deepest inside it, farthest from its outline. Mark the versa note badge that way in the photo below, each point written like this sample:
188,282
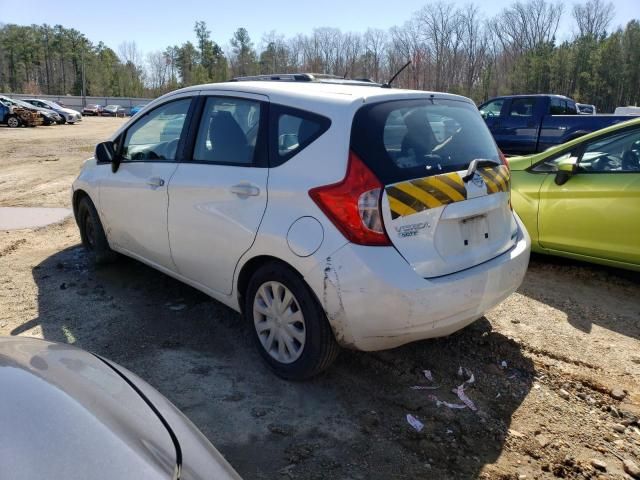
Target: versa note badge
411,230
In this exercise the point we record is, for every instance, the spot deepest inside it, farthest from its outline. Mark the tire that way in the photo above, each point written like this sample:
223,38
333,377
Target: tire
92,234
314,346
13,122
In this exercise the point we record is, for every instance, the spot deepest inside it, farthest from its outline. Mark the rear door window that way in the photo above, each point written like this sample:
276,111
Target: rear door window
229,131
557,106
405,139
522,107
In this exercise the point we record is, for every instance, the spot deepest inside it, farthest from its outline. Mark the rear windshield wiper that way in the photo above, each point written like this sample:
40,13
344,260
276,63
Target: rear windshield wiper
473,166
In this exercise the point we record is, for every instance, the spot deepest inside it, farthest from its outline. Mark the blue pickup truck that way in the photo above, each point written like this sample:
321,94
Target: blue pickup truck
525,124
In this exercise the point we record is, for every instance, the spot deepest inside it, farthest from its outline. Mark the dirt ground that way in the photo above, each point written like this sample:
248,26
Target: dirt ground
556,366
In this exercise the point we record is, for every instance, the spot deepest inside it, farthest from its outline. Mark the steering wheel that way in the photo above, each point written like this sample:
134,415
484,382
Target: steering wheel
606,163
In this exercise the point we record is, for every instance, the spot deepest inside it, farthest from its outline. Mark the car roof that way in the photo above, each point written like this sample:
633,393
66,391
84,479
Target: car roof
334,91
611,128
523,95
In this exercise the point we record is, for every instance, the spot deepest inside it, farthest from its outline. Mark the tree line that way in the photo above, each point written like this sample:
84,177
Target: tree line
452,48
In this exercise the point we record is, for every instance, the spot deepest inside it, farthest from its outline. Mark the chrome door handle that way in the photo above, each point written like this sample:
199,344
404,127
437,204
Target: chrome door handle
155,182
245,190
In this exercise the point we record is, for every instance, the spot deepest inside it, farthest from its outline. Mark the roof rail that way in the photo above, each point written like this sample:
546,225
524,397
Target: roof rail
283,77
289,77
304,77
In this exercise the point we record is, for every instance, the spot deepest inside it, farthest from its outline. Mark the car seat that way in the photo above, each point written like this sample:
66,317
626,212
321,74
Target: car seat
630,162
228,141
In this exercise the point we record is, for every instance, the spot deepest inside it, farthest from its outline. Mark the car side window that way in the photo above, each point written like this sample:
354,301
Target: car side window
492,109
229,131
295,130
155,136
617,153
522,107
557,106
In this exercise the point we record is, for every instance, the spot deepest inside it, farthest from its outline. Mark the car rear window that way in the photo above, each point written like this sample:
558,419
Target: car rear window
404,139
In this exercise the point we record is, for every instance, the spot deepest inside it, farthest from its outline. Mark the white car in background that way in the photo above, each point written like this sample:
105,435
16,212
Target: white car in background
70,116
586,109
627,111
328,211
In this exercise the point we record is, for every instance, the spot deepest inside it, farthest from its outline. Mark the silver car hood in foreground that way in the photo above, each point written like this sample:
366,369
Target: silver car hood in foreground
65,413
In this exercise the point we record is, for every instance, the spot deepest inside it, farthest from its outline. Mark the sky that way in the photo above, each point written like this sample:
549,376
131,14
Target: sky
154,25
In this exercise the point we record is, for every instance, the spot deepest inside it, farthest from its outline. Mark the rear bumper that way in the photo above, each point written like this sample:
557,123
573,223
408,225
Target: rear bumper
374,300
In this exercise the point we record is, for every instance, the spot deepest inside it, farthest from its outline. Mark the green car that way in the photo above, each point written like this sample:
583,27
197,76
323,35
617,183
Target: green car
581,199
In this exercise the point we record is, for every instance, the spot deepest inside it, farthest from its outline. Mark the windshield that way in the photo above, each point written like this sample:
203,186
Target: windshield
19,103
405,139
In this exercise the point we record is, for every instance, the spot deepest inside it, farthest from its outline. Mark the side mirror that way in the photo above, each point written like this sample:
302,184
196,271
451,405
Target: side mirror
564,173
106,153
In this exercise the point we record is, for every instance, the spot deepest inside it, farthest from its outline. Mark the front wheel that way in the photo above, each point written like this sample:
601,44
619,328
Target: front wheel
92,234
290,328
13,122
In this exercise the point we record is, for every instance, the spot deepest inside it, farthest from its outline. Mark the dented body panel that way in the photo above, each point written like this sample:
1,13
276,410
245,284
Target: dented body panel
374,300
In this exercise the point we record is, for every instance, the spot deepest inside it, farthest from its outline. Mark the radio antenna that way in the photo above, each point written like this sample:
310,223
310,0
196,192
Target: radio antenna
388,84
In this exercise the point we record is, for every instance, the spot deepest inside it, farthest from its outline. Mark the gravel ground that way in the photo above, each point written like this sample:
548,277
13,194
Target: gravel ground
556,366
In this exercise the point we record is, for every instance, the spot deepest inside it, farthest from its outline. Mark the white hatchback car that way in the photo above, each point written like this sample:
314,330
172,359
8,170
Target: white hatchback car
330,212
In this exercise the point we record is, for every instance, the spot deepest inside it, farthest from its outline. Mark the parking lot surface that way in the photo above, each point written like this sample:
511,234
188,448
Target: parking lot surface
556,367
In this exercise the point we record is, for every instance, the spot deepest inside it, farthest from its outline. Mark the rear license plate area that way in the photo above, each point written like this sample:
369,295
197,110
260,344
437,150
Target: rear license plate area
474,230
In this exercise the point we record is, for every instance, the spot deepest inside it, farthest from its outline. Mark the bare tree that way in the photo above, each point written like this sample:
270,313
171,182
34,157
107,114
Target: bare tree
593,18
375,43
129,53
474,46
157,70
526,26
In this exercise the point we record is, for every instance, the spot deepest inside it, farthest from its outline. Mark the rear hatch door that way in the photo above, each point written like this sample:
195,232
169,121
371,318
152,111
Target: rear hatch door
421,150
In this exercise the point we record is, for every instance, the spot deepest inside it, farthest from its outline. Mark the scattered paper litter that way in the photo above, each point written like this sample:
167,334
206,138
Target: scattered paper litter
465,372
503,364
466,400
415,423
455,406
429,376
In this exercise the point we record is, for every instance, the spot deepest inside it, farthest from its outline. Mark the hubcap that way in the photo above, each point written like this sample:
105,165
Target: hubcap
13,122
279,322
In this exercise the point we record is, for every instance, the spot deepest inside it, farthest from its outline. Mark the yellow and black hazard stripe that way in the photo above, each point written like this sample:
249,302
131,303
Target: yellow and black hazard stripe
413,196
496,178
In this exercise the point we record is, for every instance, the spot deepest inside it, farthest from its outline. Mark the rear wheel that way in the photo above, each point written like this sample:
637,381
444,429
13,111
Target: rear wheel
289,326
13,122
92,234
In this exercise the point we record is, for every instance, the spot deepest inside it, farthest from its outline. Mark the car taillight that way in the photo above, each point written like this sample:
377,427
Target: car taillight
353,204
503,159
